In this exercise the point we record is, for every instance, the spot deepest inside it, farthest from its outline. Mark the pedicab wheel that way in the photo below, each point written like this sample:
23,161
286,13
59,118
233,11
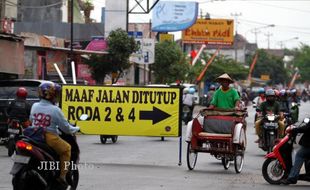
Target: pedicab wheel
239,160
242,139
103,139
272,171
191,157
225,162
114,139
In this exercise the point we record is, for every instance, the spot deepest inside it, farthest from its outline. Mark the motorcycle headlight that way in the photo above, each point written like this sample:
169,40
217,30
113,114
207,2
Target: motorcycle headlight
271,117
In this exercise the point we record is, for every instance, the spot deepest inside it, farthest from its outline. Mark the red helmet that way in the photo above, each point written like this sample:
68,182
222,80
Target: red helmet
21,92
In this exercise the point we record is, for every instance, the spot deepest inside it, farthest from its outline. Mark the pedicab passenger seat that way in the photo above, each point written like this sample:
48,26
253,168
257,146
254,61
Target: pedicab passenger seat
219,124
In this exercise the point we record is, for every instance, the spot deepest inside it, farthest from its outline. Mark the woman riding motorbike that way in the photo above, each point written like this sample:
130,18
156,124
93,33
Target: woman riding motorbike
46,114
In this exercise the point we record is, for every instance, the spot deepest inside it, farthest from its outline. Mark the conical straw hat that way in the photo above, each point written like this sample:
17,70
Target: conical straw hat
225,76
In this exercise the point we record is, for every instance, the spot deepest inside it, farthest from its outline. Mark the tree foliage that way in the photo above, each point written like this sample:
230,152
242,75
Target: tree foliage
270,65
221,64
302,62
120,46
170,63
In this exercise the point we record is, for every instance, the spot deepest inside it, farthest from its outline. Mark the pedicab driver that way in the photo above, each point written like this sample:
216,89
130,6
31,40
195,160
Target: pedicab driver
225,97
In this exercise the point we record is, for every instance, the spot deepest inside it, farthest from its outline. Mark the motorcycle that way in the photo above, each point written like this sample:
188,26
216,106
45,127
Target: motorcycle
269,132
15,130
186,114
204,100
294,112
37,166
279,162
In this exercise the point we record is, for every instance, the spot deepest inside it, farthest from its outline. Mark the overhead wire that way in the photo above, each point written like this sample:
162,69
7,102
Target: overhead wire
281,7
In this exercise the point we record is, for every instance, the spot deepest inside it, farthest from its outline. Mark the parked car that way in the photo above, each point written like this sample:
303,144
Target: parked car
8,90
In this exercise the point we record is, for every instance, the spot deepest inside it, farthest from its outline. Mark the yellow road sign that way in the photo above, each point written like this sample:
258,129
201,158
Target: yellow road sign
166,37
121,110
265,77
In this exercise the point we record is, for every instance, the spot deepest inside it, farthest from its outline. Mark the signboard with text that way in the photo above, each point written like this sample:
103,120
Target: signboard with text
123,110
210,31
146,52
166,37
135,34
171,16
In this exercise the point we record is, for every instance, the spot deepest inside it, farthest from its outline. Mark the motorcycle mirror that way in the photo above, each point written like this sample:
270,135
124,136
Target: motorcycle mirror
306,120
83,117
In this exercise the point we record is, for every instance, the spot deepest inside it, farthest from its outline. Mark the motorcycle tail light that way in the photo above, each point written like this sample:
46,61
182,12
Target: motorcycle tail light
15,124
23,145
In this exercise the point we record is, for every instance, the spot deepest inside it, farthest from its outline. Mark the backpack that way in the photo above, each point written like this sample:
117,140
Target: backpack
35,133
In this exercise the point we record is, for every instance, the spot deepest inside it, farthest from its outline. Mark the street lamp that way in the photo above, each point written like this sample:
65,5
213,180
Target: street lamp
257,30
283,41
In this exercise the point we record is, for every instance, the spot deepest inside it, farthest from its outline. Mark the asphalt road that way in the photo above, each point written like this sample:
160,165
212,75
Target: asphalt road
147,163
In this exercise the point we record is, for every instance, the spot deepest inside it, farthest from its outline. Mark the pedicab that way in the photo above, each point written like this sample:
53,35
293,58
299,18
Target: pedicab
222,133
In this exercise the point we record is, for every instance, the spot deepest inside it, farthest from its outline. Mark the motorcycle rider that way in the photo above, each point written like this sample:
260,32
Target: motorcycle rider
188,100
270,105
302,153
210,95
20,108
260,98
294,96
225,97
284,101
46,114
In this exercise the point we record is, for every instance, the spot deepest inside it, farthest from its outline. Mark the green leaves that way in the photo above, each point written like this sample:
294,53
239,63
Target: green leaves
170,63
120,46
302,62
272,66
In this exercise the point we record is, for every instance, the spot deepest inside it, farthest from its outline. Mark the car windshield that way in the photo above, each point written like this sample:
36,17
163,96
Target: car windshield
9,88
9,92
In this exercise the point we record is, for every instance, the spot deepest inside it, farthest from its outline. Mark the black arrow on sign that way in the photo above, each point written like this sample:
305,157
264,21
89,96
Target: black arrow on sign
156,115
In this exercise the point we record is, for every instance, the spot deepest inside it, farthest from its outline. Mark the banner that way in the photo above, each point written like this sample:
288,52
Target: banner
210,31
121,110
169,16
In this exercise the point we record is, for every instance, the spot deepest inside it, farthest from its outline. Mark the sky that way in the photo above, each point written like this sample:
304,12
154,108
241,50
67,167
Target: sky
289,18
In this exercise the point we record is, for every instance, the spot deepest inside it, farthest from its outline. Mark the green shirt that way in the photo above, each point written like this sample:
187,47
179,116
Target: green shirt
225,99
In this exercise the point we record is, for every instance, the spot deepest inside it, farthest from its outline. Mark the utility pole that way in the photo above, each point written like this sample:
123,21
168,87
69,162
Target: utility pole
257,30
268,38
236,15
2,9
69,72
